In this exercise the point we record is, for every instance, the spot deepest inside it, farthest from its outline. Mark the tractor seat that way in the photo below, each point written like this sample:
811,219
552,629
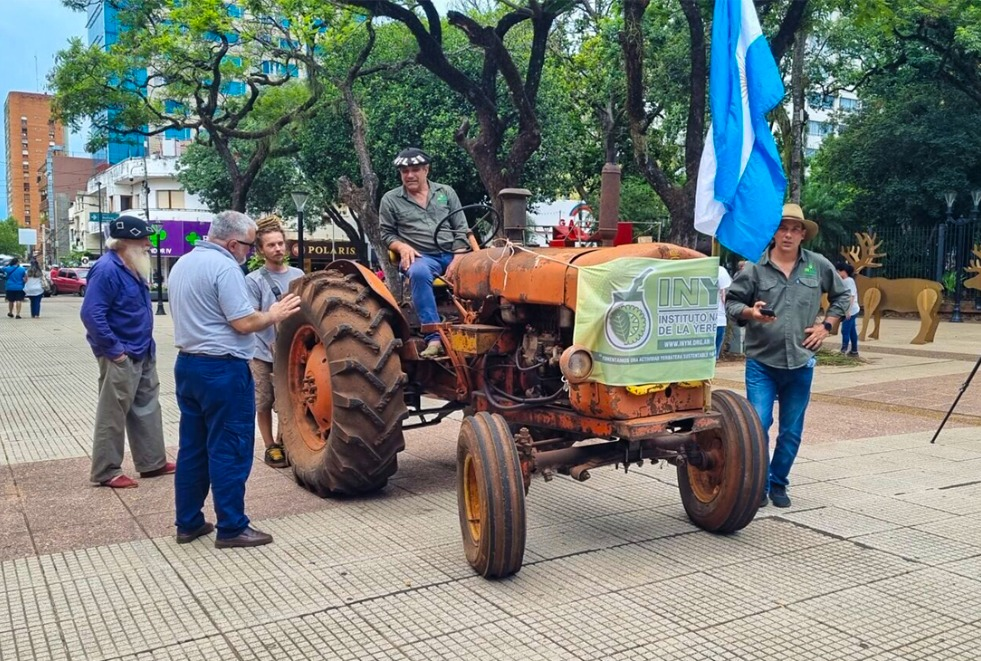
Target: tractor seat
394,259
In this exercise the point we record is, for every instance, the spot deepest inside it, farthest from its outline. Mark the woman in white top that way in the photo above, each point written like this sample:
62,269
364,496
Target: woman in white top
34,289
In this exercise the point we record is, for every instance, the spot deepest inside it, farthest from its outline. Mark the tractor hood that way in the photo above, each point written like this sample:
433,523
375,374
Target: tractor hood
544,276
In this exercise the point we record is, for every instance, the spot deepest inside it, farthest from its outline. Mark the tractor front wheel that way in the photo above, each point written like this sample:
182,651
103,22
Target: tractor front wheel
723,493
490,496
338,381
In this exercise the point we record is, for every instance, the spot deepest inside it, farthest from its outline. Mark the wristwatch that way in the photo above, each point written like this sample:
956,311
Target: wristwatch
827,326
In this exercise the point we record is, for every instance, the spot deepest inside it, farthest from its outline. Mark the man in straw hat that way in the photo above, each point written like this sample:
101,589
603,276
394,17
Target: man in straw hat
777,300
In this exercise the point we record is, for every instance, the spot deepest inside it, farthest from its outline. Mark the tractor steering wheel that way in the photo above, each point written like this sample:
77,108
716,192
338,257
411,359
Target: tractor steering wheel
484,228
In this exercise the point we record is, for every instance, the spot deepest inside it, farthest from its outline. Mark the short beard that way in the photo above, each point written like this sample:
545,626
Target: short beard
136,257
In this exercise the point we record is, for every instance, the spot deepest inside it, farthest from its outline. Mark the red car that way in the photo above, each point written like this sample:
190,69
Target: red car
68,281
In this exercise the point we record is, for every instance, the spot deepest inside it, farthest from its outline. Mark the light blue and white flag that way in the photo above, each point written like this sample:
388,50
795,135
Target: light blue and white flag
741,184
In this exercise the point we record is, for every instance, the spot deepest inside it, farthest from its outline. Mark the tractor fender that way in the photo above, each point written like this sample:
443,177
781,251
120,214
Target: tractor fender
399,323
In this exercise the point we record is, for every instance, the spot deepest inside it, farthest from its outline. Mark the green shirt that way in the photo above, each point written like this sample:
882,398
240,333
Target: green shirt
402,219
795,300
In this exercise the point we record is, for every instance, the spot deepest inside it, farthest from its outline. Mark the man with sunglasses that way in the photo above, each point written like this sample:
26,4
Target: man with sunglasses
214,326
777,300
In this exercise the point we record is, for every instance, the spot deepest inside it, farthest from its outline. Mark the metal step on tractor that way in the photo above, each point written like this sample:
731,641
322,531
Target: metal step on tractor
349,380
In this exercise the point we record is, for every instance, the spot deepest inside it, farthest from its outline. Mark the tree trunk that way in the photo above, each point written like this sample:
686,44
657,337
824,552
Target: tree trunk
797,120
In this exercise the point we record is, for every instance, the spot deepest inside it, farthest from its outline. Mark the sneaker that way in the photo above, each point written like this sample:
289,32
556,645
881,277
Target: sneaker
765,500
853,354
433,350
188,537
275,457
17,317
246,538
167,469
120,482
779,496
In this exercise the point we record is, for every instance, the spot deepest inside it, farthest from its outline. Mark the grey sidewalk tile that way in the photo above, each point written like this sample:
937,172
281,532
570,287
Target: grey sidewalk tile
686,647
969,567
600,626
569,537
640,525
701,550
966,529
840,522
409,617
798,575
954,596
609,570
958,498
774,535
919,546
213,648
21,609
567,496
696,601
508,639
960,644
908,484
851,467
40,642
892,510
21,574
269,600
95,562
788,636
650,493
877,619
451,560
536,587
356,581
331,635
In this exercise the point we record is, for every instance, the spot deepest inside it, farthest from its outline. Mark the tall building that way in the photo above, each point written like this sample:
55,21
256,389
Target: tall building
31,131
59,180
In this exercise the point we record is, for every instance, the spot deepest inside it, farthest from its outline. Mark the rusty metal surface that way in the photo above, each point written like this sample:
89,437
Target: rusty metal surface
473,339
616,403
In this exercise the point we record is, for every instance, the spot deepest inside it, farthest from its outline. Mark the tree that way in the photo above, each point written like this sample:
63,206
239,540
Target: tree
9,244
665,62
233,79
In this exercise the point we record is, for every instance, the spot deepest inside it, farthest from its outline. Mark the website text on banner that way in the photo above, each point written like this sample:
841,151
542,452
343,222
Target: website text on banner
741,184
648,320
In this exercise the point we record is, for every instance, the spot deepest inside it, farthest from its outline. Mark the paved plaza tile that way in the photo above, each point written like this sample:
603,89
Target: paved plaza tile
879,558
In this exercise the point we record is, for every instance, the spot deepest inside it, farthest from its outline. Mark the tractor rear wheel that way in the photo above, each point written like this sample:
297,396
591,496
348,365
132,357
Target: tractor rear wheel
490,496
723,495
338,382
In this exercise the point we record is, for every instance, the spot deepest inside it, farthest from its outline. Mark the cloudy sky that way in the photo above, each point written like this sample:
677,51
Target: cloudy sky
33,31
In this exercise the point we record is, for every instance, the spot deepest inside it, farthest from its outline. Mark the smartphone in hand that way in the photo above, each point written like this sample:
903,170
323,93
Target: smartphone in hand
767,312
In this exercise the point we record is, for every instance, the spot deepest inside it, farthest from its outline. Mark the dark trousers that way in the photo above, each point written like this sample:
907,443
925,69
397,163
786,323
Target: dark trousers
35,305
216,397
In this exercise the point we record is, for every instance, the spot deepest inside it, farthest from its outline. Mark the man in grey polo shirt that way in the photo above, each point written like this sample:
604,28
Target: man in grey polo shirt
214,323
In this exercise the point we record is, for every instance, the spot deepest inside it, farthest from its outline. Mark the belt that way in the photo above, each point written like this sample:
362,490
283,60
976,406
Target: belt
224,356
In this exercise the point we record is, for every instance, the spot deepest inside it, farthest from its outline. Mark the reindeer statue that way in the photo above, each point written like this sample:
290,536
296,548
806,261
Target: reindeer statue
974,282
899,295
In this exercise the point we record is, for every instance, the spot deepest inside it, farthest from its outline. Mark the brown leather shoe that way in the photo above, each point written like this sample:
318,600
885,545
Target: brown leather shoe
246,538
167,469
188,537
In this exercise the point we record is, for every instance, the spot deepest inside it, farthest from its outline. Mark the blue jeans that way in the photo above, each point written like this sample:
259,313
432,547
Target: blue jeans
849,334
35,305
421,274
216,397
765,385
720,333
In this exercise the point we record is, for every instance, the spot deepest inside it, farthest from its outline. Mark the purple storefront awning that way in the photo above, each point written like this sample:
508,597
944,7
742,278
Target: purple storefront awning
177,237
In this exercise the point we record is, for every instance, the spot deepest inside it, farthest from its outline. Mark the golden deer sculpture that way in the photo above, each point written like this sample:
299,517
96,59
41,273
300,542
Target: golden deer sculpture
974,282
899,295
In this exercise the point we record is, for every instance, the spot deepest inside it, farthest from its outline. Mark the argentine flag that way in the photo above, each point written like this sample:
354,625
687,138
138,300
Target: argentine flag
739,197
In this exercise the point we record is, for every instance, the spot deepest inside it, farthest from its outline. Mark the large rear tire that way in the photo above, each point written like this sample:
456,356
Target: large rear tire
490,496
338,382
724,496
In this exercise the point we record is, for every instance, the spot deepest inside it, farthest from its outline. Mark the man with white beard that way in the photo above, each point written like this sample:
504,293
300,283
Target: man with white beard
118,320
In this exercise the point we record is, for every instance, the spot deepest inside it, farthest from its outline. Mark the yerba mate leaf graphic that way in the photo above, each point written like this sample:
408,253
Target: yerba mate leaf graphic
620,323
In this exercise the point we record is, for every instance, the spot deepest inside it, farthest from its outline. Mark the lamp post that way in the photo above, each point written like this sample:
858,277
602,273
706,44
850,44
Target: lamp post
959,226
101,238
159,231
300,200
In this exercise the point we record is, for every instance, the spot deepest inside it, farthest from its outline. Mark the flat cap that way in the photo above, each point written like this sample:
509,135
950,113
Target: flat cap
412,156
129,227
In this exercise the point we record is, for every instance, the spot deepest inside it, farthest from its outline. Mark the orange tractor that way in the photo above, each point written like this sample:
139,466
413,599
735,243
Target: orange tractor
349,380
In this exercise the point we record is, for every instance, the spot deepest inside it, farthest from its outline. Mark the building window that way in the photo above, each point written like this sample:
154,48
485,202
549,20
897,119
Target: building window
170,199
821,101
27,169
125,202
27,187
819,128
849,105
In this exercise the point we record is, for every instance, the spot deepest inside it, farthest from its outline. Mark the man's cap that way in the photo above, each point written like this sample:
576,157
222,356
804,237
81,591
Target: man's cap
794,212
129,227
412,156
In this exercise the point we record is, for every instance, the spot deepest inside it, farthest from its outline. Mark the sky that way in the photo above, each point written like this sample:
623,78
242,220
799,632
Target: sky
33,31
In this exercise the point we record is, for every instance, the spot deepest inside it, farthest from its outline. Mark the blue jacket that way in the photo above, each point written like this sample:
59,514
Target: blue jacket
117,313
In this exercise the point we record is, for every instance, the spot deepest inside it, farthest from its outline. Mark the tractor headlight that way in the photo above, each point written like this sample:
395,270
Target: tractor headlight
576,364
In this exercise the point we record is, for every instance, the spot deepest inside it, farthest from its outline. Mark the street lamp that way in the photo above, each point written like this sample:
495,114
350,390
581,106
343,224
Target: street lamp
960,225
159,231
101,238
300,200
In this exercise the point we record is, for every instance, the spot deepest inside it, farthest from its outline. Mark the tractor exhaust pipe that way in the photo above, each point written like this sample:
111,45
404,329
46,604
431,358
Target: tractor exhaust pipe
609,203
514,206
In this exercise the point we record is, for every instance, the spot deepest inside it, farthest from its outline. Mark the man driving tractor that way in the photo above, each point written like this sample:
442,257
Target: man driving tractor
409,216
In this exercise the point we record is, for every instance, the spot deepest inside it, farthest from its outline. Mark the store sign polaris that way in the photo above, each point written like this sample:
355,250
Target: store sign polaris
175,238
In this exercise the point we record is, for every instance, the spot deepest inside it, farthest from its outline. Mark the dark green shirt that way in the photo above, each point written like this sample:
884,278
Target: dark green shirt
795,300
402,219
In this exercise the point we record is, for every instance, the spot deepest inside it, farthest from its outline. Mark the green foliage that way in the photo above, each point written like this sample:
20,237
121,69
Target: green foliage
8,237
949,281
